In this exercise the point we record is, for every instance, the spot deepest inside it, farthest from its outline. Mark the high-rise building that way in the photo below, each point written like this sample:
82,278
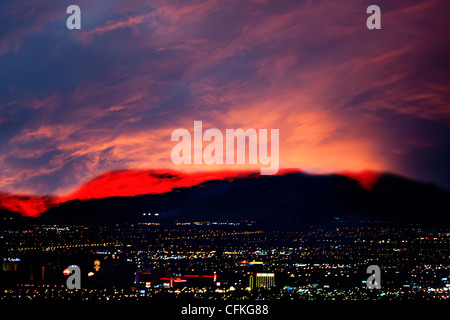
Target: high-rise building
262,280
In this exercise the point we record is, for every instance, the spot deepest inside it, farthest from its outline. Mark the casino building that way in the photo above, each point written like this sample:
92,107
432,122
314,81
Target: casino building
262,280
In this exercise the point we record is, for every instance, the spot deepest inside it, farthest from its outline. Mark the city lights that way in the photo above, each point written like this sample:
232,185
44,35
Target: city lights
131,260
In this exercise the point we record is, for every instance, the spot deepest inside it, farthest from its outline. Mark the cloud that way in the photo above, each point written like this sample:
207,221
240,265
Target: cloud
107,97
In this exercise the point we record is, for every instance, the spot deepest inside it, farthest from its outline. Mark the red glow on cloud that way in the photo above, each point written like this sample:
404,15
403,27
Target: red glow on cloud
129,183
123,183
26,205
366,178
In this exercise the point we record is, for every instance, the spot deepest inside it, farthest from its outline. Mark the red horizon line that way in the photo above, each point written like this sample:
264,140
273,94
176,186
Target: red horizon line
133,182
67,197
346,173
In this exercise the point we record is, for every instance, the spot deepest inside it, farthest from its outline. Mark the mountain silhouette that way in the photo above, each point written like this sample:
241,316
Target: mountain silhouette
290,200
118,183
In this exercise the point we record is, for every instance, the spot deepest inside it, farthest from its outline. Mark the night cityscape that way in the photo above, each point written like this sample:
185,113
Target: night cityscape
204,158
219,261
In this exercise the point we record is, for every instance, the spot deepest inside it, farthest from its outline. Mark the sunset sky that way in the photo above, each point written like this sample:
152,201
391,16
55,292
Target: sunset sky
75,104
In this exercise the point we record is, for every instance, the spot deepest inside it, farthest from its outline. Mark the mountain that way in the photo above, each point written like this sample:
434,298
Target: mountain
290,200
119,183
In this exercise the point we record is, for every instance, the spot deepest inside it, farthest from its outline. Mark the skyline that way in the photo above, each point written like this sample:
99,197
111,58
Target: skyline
139,262
76,104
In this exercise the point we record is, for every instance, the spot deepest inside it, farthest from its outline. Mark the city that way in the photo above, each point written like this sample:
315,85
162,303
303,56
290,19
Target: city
223,260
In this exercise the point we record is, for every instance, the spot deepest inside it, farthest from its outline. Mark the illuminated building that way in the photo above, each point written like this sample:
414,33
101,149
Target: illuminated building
97,265
189,280
262,280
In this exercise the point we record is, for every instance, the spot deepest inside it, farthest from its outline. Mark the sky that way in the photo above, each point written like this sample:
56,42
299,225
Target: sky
75,104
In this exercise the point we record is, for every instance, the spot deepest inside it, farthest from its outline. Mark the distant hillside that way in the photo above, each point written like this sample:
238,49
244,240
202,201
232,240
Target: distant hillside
290,200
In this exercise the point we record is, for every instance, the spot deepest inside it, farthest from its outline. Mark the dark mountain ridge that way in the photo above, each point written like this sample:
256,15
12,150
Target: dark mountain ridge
291,200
